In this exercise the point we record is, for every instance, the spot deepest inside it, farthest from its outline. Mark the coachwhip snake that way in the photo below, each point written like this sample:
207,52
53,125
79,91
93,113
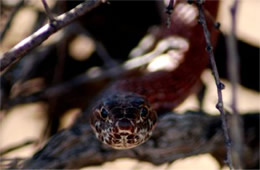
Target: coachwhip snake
126,113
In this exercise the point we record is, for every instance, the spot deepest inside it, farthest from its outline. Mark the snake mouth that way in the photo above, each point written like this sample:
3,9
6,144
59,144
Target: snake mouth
126,141
125,126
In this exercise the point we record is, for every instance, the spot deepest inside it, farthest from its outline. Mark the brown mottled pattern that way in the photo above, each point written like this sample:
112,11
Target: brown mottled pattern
123,120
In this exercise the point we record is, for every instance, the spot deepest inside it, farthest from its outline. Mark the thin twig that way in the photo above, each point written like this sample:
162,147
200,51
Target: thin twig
233,64
34,40
108,60
111,73
10,19
169,10
53,121
212,19
15,147
48,11
219,84
11,163
233,56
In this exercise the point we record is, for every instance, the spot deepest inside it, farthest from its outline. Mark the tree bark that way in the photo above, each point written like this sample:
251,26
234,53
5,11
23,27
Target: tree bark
176,136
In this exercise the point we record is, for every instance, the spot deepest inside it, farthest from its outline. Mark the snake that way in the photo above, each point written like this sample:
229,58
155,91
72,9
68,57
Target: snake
127,113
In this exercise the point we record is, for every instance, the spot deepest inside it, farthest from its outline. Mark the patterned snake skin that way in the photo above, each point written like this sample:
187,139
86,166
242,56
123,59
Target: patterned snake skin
126,114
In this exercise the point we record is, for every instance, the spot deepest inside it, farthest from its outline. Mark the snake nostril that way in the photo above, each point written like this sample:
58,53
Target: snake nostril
124,124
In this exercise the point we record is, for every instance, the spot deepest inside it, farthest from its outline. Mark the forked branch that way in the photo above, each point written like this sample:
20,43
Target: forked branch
34,40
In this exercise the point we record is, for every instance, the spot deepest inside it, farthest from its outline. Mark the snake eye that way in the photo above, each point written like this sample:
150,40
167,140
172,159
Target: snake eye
144,112
104,113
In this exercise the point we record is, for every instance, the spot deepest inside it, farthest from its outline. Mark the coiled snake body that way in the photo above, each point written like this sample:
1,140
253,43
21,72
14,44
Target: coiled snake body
126,114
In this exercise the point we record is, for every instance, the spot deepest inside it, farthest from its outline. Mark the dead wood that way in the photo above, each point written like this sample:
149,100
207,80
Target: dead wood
176,136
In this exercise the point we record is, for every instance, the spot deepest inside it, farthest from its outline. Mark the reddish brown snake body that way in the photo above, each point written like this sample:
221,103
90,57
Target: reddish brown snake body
127,112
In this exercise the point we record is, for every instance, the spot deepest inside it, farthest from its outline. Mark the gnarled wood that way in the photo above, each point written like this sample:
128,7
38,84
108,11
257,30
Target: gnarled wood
176,136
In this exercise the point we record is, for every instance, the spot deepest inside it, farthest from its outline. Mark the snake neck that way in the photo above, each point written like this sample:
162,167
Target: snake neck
127,112
167,89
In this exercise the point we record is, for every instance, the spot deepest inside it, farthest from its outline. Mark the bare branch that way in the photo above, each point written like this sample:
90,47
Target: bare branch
169,10
29,43
11,163
10,19
219,84
176,136
106,74
15,147
108,60
48,11
233,64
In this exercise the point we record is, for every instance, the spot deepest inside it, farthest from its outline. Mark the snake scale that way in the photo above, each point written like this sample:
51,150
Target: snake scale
126,113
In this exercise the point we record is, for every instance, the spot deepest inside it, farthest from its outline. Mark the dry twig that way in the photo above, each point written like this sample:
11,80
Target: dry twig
110,74
236,132
169,10
10,19
219,84
29,43
194,133
11,163
15,147
48,11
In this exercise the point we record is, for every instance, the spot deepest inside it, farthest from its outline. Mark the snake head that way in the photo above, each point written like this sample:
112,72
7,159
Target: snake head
123,120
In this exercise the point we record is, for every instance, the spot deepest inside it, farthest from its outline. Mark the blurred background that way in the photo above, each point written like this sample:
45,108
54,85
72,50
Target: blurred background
88,46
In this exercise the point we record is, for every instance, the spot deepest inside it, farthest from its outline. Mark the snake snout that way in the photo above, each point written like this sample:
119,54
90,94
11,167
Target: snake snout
125,125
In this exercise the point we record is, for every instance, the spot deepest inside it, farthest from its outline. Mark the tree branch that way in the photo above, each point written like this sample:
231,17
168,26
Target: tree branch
48,11
10,19
219,84
104,75
15,147
176,136
29,43
236,132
